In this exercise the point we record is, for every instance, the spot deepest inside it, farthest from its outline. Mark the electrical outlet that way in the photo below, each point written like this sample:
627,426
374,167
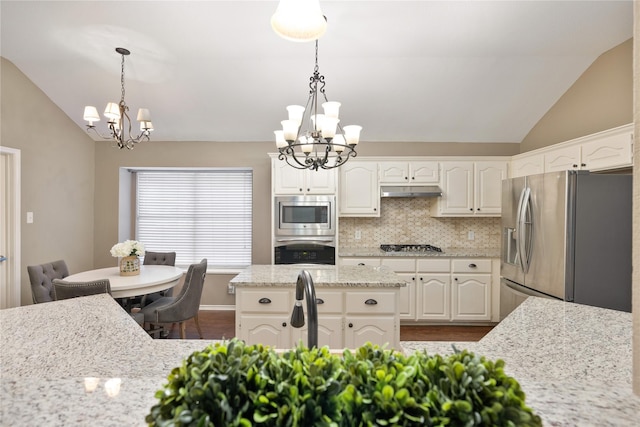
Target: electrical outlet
471,235
29,217
358,235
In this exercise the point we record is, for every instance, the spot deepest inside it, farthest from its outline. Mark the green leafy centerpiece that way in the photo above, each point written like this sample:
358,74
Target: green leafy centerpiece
234,384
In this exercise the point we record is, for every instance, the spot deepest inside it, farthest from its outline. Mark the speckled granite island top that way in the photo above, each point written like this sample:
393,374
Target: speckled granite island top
446,252
322,275
84,362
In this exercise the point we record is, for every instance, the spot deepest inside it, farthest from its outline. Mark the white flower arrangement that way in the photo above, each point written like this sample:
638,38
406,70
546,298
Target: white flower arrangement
127,248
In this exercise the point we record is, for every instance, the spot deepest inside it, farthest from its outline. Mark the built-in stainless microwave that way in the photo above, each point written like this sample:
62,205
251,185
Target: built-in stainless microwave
305,215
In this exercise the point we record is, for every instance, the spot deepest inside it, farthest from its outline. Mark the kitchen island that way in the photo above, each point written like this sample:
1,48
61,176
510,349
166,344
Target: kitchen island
85,361
356,304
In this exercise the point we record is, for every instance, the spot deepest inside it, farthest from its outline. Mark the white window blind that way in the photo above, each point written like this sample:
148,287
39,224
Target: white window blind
198,214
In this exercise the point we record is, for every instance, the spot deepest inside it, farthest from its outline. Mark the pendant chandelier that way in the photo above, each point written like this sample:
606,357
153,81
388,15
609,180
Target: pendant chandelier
320,145
118,121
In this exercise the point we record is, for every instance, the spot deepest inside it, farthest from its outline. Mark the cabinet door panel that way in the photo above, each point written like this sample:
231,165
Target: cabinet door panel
329,332
434,296
377,330
322,181
471,296
407,297
609,152
488,187
267,330
359,189
286,179
424,172
264,301
393,172
457,181
527,165
562,159
374,262
406,265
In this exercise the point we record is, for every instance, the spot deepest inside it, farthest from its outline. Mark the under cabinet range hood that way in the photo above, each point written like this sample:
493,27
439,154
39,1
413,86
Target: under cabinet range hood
411,191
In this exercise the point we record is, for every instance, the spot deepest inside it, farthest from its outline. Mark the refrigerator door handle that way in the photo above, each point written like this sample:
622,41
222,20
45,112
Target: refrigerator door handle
524,244
517,230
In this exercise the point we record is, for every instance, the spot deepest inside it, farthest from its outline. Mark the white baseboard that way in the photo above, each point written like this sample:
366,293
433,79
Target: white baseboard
218,307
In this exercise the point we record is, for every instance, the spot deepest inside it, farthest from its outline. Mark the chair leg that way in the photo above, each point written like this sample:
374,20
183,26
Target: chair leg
183,330
198,325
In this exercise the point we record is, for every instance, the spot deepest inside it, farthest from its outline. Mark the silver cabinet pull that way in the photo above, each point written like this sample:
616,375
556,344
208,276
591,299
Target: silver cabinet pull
264,301
371,301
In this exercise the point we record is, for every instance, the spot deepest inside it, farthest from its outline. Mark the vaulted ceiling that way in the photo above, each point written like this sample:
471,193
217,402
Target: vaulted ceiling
464,71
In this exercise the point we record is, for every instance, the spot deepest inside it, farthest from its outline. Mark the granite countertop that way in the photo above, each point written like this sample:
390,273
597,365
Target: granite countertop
375,251
85,361
322,275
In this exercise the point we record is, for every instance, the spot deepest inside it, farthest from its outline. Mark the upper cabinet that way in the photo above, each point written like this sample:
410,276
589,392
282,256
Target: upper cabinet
418,172
359,193
289,180
610,149
471,188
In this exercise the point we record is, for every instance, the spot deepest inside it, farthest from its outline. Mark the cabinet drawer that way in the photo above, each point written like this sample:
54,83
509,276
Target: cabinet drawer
400,264
331,302
370,302
266,301
471,266
435,265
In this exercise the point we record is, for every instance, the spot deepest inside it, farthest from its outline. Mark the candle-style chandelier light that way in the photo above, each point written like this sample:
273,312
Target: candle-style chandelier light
117,115
319,145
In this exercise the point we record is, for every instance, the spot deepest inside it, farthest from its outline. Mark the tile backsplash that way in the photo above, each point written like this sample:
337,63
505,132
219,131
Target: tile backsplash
408,221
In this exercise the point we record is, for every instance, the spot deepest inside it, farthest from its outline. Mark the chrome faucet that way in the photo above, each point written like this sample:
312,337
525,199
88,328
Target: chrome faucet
305,284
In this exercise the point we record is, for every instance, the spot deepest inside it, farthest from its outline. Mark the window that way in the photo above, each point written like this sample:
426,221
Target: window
196,213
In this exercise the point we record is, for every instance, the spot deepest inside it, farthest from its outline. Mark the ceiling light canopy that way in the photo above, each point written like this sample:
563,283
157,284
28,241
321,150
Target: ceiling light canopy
299,20
116,114
319,145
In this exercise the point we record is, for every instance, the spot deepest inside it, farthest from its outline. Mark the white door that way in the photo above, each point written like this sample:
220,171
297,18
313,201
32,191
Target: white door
9,227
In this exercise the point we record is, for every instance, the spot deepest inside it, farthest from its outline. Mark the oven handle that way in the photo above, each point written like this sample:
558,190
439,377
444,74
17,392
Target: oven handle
305,240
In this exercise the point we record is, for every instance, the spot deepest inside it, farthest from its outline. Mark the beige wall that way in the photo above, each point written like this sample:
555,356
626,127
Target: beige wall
600,99
57,176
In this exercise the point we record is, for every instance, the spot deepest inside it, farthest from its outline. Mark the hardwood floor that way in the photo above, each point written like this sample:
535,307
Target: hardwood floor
221,325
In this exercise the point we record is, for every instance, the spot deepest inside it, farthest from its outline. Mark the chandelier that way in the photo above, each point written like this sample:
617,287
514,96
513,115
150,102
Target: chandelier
318,146
299,20
117,115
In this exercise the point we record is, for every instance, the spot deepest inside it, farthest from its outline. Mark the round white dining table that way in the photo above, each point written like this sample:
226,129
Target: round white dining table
152,278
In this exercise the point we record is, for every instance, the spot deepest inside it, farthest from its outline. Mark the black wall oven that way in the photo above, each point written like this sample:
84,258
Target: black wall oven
305,253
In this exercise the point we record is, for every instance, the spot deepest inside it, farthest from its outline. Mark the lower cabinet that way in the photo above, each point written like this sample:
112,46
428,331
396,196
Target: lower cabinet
441,289
347,317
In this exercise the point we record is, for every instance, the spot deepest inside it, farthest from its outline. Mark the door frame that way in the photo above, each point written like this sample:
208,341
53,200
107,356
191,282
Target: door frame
12,211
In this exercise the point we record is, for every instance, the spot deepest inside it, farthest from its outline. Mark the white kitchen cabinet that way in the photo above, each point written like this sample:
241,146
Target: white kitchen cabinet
359,193
289,180
418,172
610,149
447,289
471,289
527,164
347,317
562,159
471,188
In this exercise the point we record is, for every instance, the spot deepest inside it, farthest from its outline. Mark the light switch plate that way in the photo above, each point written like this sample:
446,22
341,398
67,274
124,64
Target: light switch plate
29,217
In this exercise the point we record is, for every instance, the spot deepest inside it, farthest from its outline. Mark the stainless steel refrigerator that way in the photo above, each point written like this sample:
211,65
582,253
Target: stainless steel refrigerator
567,235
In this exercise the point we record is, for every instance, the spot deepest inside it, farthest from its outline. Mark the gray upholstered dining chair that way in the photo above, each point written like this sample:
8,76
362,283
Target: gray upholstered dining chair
181,308
65,290
41,277
157,258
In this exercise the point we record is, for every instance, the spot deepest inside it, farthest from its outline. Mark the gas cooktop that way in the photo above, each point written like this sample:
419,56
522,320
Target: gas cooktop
410,248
